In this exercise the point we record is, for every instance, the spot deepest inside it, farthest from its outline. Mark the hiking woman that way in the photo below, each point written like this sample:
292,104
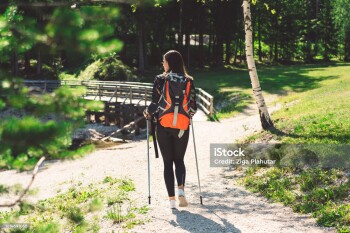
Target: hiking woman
173,104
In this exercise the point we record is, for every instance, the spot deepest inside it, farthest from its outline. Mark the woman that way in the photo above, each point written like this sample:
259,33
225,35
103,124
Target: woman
173,134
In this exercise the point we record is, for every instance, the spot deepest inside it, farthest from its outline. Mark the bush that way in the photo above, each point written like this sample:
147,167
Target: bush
108,69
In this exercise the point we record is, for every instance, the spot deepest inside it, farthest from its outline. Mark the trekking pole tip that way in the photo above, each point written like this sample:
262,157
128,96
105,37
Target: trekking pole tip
149,200
201,200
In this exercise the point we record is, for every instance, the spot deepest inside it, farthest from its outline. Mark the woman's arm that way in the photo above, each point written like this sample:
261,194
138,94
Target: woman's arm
193,102
156,94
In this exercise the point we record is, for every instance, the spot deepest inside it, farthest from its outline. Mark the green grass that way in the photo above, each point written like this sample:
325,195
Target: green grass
319,115
315,110
81,209
323,193
232,91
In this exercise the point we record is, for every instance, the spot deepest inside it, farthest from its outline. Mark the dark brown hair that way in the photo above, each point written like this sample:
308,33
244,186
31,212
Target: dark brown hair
176,63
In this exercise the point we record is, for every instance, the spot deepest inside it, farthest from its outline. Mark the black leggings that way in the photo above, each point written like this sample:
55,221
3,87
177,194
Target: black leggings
173,150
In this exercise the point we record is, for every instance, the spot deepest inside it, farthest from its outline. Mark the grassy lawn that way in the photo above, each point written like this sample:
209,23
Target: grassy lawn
316,111
320,115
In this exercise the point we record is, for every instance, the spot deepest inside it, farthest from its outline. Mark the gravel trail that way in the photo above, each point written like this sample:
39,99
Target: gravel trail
227,207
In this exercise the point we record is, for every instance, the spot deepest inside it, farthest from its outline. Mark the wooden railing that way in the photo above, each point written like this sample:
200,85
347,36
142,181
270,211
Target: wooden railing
116,91
205,101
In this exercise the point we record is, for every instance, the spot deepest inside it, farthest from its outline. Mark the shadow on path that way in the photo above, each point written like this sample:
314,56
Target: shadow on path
196,223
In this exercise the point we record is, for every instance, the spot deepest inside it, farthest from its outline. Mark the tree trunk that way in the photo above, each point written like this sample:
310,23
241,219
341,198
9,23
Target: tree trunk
180,34
15,69
276,35
210,43
271,52
327,30
219,51
308,49
265,119
141,65
39,64
236,51
259,36
188,44
144,48
27,63
228,52
347,46
201,37
201,46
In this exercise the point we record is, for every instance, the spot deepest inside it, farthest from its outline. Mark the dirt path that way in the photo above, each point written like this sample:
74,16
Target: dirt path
227,207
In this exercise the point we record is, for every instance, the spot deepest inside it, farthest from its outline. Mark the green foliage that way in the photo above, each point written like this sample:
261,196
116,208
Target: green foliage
71,210
75,214
51,71
65,39
320,192
143,209
335,216
127,185
108,69
119,198
83,32
317,177
25,208
272,185
341,14
96,204
13,24
42,124
3,189
47,227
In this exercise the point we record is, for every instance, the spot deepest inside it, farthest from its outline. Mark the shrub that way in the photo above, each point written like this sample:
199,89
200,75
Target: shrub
108,69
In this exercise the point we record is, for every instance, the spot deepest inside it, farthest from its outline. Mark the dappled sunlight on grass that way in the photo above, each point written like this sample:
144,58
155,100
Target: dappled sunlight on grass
225,83
280,80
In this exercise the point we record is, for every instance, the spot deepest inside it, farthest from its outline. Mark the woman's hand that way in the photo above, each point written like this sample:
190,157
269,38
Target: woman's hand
146,114
191,114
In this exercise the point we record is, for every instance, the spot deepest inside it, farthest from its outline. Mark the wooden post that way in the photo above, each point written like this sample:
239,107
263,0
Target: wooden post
45,86
211,107
107,113
99,91
130,95
146,92
116,93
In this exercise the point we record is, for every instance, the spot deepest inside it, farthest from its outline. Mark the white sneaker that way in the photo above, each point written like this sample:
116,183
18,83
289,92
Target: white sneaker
182,198
172,204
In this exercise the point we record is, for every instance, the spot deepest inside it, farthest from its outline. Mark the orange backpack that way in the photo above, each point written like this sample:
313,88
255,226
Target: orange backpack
173,104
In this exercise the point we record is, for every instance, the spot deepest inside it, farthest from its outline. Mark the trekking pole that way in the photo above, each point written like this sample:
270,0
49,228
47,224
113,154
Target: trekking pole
195,153
149,174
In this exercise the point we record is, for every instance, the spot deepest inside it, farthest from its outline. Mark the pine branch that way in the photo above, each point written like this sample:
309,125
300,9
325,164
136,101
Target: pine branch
35,171
67,4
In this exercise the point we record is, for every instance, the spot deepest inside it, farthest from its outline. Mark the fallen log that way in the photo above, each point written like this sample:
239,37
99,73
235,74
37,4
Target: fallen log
125,129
